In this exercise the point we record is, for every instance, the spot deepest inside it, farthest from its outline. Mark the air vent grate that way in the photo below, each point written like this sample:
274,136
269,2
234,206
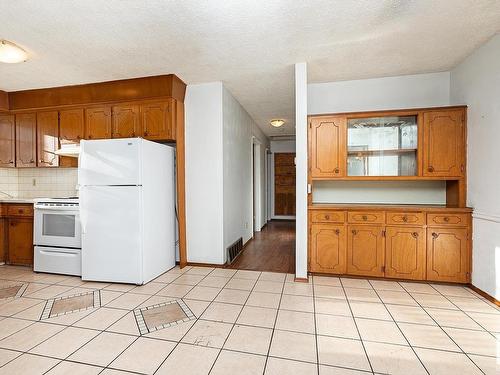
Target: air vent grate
234,250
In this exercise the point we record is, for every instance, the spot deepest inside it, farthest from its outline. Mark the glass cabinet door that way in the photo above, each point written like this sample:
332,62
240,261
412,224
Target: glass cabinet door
382,146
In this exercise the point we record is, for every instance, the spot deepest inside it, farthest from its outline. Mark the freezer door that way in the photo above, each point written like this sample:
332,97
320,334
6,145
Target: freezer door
111,233
107,162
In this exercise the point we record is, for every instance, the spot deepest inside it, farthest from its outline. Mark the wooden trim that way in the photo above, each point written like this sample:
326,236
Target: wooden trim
301,279
93,93
383,278
181,181
386,207
384,112
4,101
194,264
484,294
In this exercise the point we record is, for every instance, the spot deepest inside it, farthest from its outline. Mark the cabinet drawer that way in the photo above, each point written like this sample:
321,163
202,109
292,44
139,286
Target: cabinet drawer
328,216
448,219
413,218
371,217
19,210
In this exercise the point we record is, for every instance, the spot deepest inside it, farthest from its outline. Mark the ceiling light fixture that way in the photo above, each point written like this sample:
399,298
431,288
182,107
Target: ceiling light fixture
277,123
11,53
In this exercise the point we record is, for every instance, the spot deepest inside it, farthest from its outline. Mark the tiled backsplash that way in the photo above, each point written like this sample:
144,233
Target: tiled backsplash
38,182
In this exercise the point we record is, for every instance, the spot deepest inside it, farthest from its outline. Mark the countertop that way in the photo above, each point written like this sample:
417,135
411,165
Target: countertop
385,207
16,200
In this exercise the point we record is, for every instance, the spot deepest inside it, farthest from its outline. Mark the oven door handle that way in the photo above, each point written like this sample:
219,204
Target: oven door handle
48,208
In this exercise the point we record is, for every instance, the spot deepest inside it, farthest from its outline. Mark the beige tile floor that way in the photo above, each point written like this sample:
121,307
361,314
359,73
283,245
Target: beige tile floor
250,323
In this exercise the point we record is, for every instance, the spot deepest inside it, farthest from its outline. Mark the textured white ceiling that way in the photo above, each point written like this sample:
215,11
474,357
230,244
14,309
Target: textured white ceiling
249,45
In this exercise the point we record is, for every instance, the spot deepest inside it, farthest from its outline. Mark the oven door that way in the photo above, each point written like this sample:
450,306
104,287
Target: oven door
57,226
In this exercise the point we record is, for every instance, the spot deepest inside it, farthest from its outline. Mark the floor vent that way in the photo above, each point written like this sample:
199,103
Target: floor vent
234,250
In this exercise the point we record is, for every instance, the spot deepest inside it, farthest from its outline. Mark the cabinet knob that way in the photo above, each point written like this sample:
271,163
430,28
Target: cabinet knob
431,168
78,137
20,210
32,161
11,161
354,232
90,137
405,219
336,170
415,235
434,235
337,231
446,218
364,217
327,217
145,134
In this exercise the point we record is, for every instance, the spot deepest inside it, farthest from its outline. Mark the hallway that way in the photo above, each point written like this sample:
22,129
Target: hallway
271,250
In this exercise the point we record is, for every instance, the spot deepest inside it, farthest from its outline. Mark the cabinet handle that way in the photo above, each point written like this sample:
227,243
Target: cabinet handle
462,168
434,235
446,218
336,170
20,210
90,137
12,224
133,134
327,217
405,219
415,235
354,232
337,231
364,217
78,137
32,161
11,161
145,134
431,168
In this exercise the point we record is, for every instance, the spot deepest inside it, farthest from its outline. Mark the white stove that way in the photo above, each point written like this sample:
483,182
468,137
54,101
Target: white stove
57,236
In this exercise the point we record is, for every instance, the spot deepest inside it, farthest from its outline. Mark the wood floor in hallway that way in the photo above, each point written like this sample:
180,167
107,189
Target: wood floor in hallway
271,250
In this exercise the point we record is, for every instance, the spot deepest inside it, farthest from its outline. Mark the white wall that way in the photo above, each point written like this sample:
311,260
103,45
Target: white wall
283,146
301,105
239,131
476,82
204,173
410,91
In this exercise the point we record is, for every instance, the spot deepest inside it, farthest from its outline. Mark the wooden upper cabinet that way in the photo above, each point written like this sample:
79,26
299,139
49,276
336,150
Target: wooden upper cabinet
447,254
328,248
47,138
328,147
365,250
125,121
444,143
405,252
71,126
26,140
7,141
158,121
98,122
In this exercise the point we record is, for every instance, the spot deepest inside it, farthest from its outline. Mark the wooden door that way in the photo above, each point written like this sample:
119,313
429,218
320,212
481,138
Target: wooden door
365,250
405,252
125,120
328,147
7,141
444,143
328,248
71,126
157,122
447,254
26,140
20,241
98,123
47,125
284,184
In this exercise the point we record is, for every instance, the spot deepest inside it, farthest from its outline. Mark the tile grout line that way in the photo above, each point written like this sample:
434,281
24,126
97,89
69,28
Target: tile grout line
315,324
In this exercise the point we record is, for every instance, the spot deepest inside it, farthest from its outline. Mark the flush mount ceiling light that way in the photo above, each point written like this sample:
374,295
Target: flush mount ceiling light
10,53
277,123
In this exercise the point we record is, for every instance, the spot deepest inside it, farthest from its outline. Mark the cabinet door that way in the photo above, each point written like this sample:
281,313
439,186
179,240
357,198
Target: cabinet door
71,126
327,145
157,120
20,241
365,250
98,123
125,121
405,252
26,140
7,141
444,143
447,254
47,125
328,248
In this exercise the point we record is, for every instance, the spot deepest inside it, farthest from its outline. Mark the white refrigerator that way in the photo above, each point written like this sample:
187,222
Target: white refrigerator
127,209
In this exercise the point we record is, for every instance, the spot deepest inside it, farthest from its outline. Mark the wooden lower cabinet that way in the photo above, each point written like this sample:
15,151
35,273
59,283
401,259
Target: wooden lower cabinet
409,246
405,253
328,248
20,241
365,250
448,254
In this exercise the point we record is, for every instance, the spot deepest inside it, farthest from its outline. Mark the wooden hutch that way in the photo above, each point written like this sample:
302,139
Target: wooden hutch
403,241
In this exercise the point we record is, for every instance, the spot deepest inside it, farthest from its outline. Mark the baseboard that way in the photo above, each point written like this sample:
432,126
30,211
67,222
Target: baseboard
195,264
301,280
484,294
